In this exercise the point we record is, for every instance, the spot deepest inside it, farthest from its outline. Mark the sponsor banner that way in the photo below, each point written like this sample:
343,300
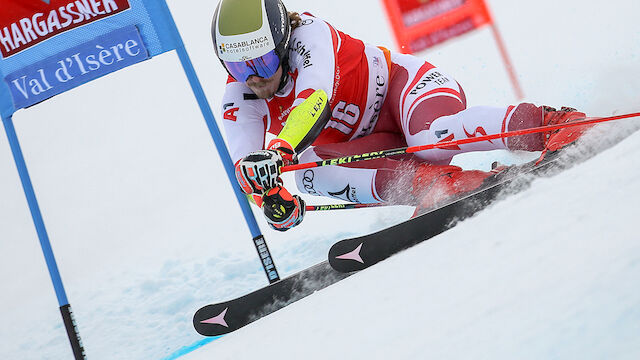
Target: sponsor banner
30,22
33,33
421,24
76,66
443,34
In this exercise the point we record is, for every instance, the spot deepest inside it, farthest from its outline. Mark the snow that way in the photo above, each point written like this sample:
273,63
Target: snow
145,229
565,288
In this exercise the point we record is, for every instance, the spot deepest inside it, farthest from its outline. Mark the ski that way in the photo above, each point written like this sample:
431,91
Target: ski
225,317
356,254
350,255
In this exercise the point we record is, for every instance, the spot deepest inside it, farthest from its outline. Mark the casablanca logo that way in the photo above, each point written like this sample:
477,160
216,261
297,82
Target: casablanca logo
245,46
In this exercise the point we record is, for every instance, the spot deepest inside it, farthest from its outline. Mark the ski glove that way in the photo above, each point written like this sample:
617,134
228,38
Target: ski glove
281,209
260,170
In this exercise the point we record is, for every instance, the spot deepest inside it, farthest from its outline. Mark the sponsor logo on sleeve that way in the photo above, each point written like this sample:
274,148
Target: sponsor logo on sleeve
298,47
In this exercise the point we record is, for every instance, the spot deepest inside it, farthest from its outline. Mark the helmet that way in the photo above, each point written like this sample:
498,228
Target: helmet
251,37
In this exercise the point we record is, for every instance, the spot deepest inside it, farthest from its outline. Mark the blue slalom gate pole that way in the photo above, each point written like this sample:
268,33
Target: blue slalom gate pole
258,239
65,307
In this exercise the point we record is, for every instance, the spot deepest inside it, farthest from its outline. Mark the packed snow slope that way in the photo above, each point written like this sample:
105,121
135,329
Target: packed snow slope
146,230
550,273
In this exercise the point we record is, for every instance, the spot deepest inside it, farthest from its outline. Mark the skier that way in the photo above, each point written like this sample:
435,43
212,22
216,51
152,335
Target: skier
324,94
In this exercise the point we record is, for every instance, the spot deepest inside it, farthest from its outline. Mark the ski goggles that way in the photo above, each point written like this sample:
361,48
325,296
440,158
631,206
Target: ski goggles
265,67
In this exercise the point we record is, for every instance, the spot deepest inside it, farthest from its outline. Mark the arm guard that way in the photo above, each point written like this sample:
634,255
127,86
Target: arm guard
306,121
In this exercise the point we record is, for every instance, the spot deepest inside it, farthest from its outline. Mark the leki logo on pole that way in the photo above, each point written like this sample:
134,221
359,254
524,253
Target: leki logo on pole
25,23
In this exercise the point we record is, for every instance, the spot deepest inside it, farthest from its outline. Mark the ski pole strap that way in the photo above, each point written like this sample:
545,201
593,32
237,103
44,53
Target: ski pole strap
342,206
412,149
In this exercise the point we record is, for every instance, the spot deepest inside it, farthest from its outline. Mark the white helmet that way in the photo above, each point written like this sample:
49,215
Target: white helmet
251,37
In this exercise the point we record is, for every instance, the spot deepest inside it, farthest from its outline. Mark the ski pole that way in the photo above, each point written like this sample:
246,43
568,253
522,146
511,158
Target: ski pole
412,149
342,206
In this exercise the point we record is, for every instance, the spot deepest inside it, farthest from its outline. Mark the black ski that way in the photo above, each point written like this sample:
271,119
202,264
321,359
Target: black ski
350,255
228,316
355,254
225,317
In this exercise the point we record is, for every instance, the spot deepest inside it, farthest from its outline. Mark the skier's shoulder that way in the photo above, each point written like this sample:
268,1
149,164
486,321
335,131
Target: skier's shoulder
238,96
313,41
311,30
309,22
239,91
314,33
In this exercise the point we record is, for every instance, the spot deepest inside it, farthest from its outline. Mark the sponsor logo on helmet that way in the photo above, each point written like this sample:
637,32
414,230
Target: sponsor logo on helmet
283,18
244,46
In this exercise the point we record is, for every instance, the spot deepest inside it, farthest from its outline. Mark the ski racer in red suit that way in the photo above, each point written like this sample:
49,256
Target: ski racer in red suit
324,94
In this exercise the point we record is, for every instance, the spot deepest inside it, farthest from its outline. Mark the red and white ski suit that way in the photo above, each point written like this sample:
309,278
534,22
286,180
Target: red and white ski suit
379,100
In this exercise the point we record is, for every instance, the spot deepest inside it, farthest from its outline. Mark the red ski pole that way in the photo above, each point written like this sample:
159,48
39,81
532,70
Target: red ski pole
412,149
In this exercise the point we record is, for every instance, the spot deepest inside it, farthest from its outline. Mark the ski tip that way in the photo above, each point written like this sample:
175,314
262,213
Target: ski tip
346,256
211,320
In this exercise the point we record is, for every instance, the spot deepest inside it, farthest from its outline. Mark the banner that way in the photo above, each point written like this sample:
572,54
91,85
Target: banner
421,24
76,66
50,46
